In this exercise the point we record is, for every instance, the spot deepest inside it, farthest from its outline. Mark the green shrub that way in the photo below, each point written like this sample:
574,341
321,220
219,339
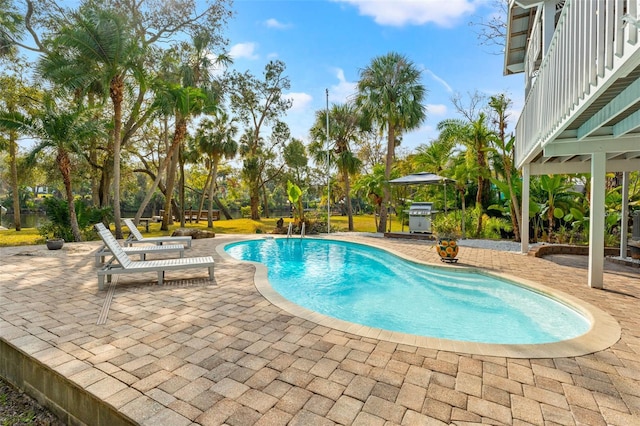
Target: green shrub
59,223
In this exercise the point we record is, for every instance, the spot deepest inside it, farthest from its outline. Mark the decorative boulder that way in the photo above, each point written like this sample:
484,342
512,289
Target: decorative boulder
193,233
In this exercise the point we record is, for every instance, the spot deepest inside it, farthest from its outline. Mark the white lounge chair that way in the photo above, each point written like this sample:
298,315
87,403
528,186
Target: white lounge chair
136,237
141,250
125,265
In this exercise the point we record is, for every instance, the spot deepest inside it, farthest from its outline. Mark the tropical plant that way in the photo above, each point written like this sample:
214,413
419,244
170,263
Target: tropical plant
294,194
344,127
15,96
504,148
446,226
559,198
475,136
61,130
371,186
104,52
58,225
390,96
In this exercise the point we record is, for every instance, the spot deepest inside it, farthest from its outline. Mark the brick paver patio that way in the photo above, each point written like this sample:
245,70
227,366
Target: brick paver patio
209,353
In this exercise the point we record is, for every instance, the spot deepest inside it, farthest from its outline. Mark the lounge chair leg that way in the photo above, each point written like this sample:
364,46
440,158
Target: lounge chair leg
211,273
100,282
160,277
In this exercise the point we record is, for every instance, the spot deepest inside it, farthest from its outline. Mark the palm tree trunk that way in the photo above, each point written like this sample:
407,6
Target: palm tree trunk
182,208
347,190
178,137
64,165
167,219
13,148
386,194
212,187
116,90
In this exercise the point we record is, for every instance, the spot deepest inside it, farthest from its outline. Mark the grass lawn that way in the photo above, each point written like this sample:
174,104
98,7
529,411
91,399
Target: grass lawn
362,223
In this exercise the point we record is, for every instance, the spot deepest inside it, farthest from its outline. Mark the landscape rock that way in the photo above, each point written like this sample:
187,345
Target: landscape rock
196,234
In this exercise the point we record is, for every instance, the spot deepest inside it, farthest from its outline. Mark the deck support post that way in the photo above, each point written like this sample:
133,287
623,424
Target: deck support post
524,225
596,222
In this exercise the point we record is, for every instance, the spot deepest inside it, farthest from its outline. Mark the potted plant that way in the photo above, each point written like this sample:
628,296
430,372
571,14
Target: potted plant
447,231
54,235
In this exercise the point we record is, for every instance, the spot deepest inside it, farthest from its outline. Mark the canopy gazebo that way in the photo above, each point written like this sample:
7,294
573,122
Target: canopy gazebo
424,178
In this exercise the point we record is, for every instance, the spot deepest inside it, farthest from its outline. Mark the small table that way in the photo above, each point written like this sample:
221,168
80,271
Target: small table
144,221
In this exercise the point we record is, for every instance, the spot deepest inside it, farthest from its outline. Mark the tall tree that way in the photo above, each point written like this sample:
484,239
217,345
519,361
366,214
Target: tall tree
103,39
61,130
475,136
183,103
15,97
344,128
258,103
215,139
390,95
504,146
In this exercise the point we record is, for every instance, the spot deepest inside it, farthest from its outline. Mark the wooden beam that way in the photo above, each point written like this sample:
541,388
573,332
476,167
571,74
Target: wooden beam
612,166
625,99
592,145
630,123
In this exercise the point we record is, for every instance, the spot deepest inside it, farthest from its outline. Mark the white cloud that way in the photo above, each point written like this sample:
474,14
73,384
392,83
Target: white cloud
343,91
300,101
244,50
436,109
445,13
439,80
272,55
274,23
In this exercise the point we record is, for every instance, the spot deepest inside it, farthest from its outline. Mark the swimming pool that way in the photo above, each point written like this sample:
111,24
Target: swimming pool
368,286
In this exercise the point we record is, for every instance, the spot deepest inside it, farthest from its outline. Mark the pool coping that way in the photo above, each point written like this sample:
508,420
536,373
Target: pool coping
603,333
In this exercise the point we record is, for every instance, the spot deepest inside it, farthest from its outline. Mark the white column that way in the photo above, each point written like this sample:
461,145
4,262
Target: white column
596,220
624,226
524,226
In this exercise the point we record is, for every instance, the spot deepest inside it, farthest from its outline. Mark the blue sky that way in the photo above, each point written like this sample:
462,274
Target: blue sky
325,44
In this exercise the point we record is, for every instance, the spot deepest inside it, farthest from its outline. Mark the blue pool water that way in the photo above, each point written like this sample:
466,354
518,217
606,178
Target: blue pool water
372,287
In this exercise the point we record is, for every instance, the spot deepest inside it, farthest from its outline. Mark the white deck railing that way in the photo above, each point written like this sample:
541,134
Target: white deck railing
592,41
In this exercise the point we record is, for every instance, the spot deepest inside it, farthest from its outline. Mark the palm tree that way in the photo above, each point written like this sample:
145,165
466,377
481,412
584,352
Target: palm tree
475,136
344,126
215,138
434,157
62,131
183,103
390,95
504,148
102,48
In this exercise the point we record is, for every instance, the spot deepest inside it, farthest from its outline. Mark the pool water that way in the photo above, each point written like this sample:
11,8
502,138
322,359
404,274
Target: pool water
372,287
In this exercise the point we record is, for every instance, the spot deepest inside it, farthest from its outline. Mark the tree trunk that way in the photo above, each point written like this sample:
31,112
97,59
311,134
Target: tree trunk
222,208
464,209
212,187
205,191
15,188
64,165
167,219
347,190
254,199
386,194
116,93
178,137
181,159
265,200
